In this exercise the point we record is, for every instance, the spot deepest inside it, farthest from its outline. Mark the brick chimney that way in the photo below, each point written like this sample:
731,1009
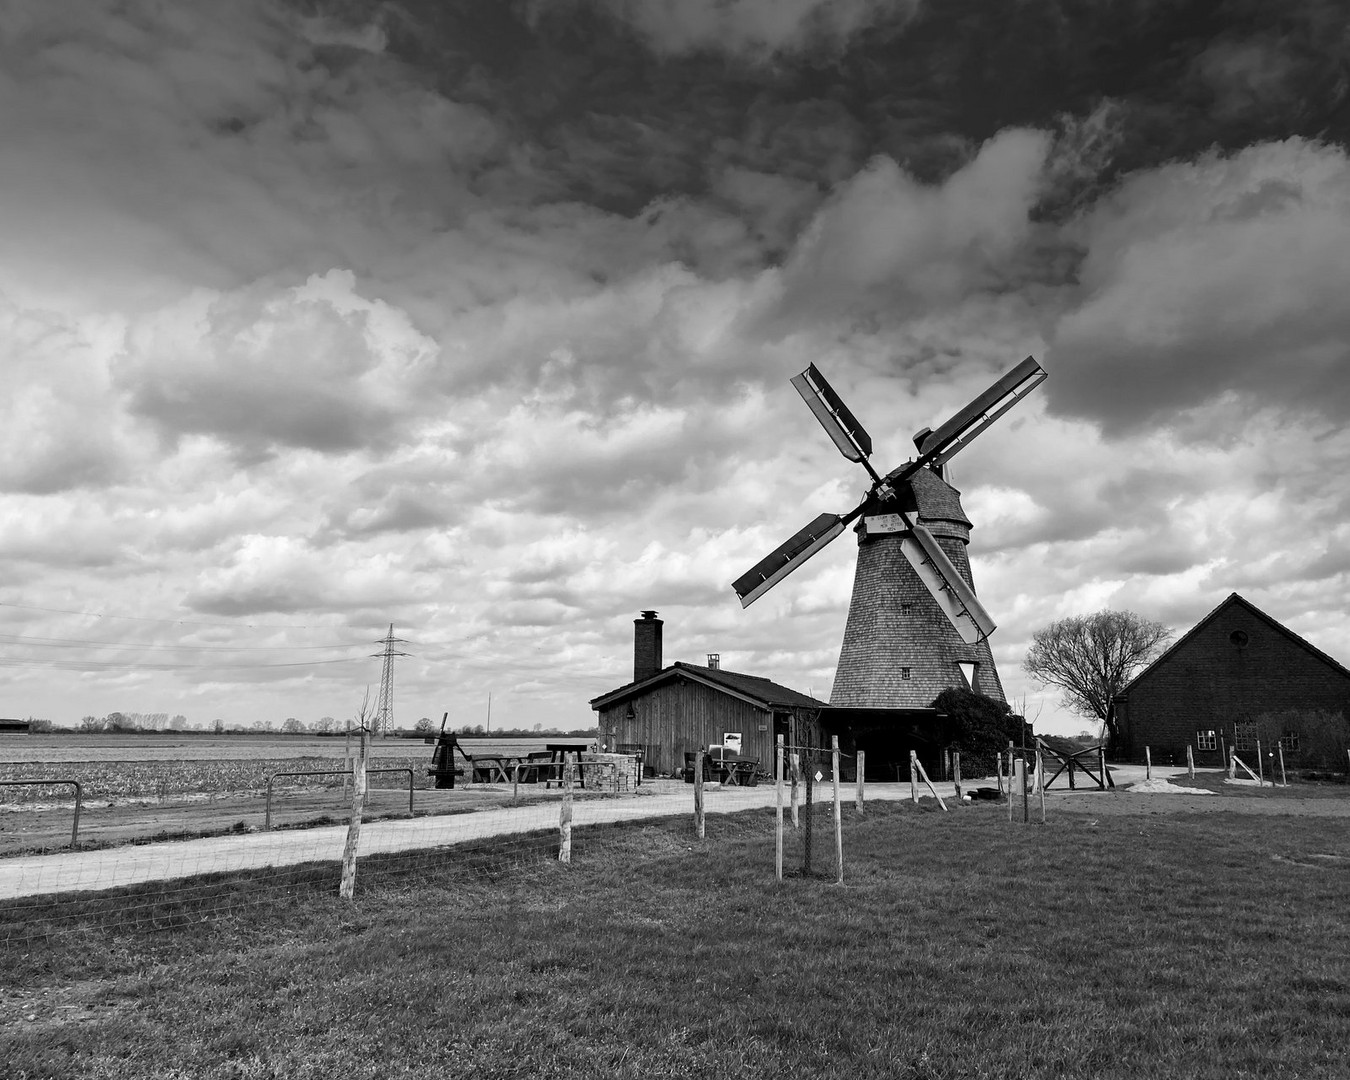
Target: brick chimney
646,646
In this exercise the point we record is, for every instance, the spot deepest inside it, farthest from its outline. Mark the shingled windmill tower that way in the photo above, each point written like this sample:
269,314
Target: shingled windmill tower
914,625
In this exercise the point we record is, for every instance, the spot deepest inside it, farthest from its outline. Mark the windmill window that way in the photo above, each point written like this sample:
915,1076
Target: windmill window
968,674
1244,736
905,608
1289,740
904,673
1207,740
1239,638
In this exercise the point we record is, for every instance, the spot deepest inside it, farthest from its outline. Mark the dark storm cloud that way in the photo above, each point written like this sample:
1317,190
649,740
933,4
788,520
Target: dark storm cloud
614,102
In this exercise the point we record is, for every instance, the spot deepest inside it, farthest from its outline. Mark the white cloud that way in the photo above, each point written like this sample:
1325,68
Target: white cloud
315,366
886,243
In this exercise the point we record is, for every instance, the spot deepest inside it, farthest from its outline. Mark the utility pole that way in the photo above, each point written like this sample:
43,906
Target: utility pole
384,709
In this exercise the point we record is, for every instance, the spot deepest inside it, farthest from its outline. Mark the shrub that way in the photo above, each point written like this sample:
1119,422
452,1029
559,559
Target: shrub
979,727
1323,736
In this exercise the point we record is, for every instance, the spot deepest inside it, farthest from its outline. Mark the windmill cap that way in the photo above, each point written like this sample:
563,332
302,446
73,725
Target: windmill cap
935,499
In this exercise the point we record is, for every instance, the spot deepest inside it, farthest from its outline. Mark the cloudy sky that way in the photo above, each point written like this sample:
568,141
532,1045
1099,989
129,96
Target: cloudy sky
477,317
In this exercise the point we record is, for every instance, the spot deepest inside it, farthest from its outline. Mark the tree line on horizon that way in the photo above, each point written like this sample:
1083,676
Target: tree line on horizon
136,723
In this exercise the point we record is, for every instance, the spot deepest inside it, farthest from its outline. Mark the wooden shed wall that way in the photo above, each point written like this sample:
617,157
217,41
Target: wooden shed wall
682,716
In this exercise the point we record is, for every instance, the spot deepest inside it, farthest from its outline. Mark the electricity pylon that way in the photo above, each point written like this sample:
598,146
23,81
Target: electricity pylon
384,709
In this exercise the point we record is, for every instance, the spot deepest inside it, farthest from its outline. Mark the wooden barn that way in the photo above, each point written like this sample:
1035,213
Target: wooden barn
1237,677
667,712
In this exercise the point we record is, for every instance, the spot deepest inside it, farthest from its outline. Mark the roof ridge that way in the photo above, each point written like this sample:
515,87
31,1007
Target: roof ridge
1205,619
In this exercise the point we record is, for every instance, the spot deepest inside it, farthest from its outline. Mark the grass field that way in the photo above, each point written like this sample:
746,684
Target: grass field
1133,945
139,787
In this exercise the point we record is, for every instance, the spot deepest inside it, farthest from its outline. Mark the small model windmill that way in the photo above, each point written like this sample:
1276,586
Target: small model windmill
914,624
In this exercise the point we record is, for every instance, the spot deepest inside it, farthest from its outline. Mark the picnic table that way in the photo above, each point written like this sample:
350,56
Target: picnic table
558,752
738,771
489,768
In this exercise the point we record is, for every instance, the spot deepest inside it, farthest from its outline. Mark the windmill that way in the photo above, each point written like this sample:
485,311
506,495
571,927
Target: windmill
914,624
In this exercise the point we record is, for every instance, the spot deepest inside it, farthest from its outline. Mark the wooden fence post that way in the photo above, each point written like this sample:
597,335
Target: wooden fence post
565,812
1261,767
1284,780
1040,768
1148,764
347,762
1190,762
778,797
348,886
698,794
838,813
956,771
914,777
1232,763
923,775
796,772
858,796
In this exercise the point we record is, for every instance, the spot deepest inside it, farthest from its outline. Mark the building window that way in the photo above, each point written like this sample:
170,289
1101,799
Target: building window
904,673
905,607
1239,638
1244,736
1289,740
1207,740
967,674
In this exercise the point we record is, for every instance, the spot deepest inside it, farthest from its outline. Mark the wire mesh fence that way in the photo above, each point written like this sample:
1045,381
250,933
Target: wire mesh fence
185,856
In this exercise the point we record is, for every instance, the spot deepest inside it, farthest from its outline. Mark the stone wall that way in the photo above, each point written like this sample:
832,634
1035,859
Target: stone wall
619,778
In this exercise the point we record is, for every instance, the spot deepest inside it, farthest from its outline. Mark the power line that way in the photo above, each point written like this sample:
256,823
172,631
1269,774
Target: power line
81,665
175,622
34,641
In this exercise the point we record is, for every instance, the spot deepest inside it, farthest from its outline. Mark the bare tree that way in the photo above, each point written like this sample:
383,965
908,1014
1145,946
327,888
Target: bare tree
1092,657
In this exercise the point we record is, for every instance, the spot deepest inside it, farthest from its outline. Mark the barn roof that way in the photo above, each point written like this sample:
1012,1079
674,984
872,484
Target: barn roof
752,688
1231,600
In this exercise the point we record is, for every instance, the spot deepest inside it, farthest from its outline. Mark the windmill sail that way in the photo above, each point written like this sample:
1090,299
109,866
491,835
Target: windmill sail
834,416
942,579
787,557
938,446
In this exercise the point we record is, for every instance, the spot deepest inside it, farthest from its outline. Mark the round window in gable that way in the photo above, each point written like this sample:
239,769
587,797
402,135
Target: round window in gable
1239,638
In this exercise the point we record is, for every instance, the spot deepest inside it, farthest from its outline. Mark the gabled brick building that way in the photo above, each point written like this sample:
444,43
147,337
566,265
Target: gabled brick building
1238,676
